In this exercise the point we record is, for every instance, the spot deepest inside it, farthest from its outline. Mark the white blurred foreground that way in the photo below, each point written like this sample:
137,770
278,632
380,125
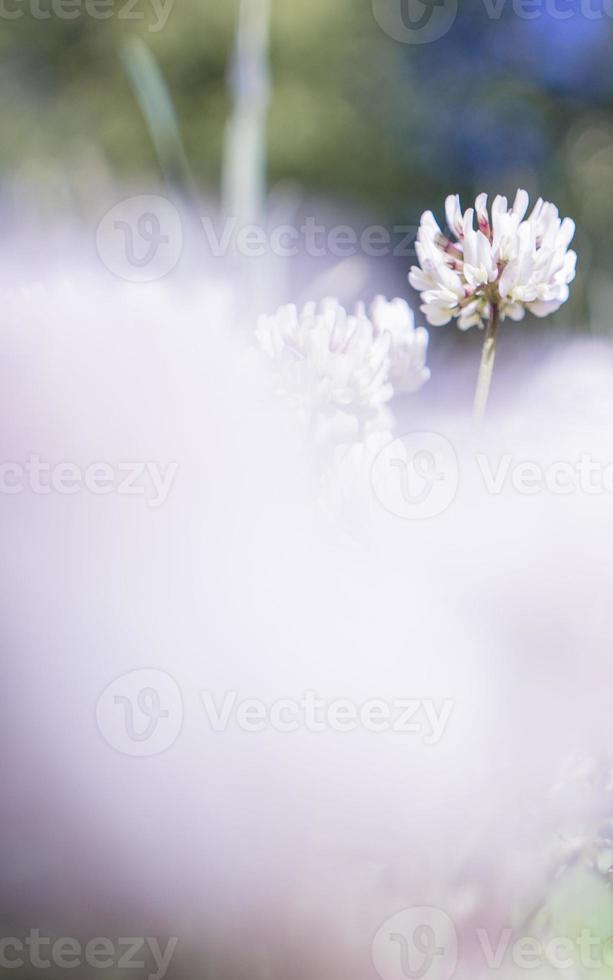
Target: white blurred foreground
458,652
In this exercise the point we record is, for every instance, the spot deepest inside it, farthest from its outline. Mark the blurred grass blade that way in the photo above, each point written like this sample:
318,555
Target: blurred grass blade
157,107
244,167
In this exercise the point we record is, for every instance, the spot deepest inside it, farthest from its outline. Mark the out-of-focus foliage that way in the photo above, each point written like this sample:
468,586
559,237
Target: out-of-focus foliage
496,103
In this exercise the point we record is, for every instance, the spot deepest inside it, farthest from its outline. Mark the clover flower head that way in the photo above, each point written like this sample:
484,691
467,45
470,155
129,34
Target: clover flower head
327,360
409,344
497,258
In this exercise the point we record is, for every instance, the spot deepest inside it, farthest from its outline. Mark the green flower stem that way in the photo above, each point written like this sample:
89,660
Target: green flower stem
487,365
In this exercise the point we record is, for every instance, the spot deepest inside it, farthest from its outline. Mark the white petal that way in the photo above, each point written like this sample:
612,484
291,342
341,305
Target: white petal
453,213
520,204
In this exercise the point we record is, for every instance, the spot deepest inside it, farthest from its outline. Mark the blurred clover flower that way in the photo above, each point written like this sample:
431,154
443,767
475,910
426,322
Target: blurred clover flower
328,361
409,344
508,264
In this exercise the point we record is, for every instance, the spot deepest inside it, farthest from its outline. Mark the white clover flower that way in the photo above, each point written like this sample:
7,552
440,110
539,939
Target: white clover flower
409,344
328,360
509,263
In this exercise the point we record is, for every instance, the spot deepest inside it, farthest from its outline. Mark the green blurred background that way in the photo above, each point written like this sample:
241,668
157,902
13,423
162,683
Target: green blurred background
355,117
